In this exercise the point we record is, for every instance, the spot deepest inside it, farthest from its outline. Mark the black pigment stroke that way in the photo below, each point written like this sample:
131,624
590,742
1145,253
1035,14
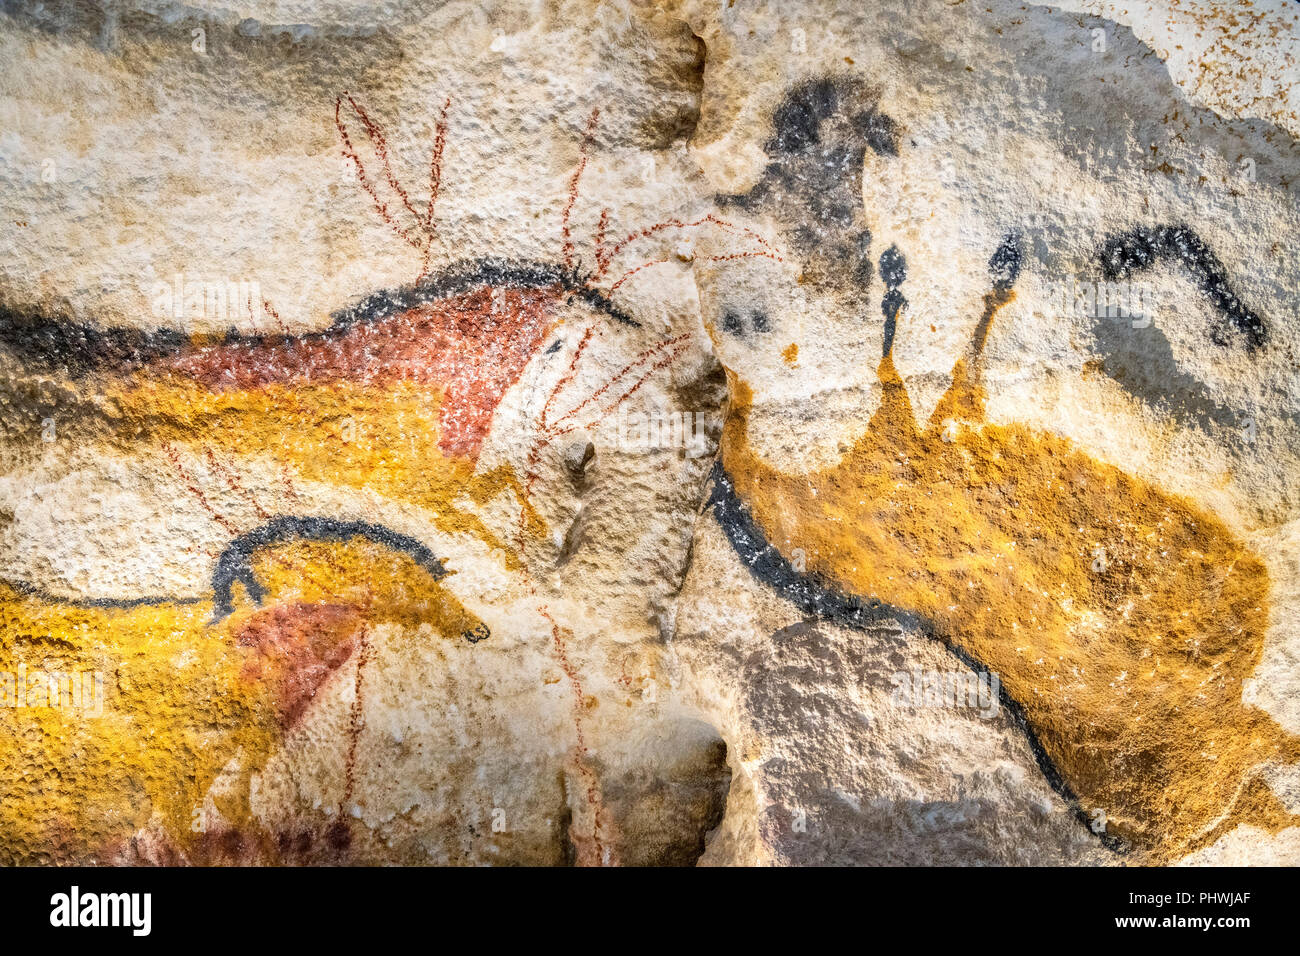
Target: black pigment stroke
75,349
462,277
805,590
235,565
1138,250
118,604
893,270
235,562
821,131
734,322
1007,261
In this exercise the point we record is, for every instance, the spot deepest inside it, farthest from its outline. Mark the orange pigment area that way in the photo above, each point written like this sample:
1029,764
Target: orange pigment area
471,347
1123,618
192,710
384,440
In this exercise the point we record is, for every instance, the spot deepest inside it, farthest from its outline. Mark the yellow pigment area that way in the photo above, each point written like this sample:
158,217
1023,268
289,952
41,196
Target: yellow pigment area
389,585
182,700
385,440
1124,619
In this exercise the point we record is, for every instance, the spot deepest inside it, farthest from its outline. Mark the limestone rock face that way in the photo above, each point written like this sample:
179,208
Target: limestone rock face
649,433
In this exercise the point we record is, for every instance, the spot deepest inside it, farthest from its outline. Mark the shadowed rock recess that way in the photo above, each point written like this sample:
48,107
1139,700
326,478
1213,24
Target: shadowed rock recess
667,433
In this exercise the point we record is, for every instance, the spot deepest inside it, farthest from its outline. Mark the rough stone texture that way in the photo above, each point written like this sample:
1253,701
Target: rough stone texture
332,336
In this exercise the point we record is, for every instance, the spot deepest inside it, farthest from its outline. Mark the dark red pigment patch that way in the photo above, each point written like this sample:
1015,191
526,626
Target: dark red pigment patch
339,835
474,346
297,647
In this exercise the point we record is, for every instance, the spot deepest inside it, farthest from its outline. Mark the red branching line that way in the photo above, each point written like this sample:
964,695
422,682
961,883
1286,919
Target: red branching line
270,309
196,491
658,262
221,519
435,183
233,481
235,485
631,272
380,206
573,187
605,255
642,357
579,705
199,549
602,254
548,433
288,482
649,231
435,162
575,684
678,224
561,650
662,363
355,714
593,795
752,234
744,255
423,221
377,139
596,422
568,375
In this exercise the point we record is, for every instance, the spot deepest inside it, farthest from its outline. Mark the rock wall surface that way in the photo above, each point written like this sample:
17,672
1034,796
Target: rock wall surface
632,433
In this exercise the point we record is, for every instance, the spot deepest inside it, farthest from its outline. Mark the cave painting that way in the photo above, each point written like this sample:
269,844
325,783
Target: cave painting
397,396
194,695
1122,620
